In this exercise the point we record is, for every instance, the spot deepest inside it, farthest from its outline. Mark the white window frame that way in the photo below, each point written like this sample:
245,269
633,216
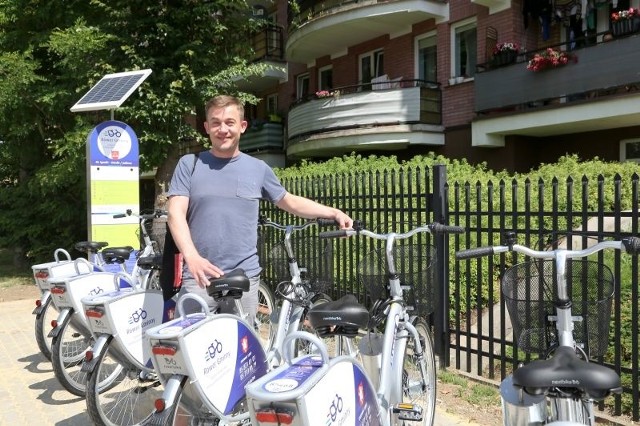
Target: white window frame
373,55
272,103
322,70
300,79
454,43
623,150
430,34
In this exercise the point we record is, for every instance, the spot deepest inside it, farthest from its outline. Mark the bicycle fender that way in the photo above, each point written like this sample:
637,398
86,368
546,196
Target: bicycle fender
98,347
46,296
63,318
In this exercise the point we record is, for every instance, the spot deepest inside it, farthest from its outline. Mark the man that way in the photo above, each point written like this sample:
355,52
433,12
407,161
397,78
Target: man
213,206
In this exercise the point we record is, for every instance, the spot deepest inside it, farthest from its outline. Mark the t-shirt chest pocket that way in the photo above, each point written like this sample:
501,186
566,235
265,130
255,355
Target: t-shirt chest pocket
248,189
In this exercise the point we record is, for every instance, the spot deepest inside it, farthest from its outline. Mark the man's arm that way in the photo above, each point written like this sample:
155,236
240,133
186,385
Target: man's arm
309,209
200,268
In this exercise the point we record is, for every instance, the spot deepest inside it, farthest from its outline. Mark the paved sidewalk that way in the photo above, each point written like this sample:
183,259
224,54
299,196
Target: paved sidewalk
29,391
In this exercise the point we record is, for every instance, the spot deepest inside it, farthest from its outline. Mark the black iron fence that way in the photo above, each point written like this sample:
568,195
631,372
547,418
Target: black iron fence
471,325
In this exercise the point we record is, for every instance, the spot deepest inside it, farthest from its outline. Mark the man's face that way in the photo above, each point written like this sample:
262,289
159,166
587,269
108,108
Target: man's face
224,127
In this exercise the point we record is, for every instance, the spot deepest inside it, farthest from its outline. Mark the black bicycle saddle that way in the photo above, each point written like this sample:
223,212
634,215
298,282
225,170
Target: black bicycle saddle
90,246
340,317
235,283
116,254
566,370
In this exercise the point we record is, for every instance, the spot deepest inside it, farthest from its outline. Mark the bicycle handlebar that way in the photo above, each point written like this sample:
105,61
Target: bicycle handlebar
321,222
629,245
432,228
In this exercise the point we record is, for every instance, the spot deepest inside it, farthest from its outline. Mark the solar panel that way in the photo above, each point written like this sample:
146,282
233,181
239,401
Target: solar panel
111,91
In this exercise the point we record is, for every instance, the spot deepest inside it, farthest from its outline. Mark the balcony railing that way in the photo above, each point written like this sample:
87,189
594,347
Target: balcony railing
263,136
268,43
599,70
363,106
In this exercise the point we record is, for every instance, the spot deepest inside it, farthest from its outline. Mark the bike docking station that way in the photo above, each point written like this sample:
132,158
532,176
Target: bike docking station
313,389
219,353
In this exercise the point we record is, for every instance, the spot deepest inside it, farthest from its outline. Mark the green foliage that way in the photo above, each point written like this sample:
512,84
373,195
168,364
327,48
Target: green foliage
53,52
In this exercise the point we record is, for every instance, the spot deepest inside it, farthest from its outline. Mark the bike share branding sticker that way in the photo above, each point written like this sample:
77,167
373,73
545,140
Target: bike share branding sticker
343,397
295,375
88,285
132,316
225,356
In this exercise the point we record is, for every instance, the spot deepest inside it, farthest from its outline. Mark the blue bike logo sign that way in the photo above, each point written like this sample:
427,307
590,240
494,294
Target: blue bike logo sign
139,314
214,348
335,409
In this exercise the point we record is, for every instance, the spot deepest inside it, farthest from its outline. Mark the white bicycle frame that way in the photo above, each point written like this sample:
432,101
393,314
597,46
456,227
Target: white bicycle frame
520,408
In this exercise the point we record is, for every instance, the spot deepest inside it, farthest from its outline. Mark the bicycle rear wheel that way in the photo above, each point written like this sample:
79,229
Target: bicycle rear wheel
263,323
419,388
42,322
129,395
67,353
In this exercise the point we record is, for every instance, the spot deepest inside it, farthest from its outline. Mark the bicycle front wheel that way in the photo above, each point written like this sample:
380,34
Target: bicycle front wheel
263,323
419,373
42,322
67,353
118,393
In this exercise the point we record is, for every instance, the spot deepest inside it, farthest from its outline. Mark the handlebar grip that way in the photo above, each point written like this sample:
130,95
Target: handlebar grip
474,252
631,245
333,234
438,228
119,215
326,222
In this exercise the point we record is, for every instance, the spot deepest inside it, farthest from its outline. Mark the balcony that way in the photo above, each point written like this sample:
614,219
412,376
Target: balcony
326,27
409,113
268,50
599,91
262,137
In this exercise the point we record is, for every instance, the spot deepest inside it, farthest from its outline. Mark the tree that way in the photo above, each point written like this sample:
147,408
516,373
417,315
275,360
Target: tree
51,53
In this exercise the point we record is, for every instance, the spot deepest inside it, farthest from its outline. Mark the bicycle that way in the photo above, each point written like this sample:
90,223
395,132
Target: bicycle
559,388
70,333
299,287
63,265
205,359
311,389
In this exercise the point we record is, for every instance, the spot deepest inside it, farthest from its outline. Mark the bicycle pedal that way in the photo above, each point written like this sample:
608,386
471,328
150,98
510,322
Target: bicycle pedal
409,412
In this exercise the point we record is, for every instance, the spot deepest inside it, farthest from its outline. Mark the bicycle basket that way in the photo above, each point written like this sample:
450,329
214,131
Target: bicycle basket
414,264
157,230
528,289
315,259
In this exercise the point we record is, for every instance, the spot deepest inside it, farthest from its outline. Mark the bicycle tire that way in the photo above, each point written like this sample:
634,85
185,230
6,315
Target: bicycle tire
152,280
417,389
68,349
263,323
116,394
190,411
42,322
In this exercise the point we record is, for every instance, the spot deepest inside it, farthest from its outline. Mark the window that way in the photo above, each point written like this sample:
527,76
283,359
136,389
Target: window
427,54
371,66
325,78
630,150
302,86
272,104
464,52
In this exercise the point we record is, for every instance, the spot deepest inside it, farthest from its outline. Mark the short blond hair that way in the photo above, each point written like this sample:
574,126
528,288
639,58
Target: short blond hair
223,101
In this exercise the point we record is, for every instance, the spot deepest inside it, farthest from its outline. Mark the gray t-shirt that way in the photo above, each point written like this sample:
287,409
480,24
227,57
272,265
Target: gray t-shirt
224,195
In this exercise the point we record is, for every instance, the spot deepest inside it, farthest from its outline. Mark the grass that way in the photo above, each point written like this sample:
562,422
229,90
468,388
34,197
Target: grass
474,393
9,276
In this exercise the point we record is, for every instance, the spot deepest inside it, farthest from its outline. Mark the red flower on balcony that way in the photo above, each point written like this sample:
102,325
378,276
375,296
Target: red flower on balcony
550,58
624,14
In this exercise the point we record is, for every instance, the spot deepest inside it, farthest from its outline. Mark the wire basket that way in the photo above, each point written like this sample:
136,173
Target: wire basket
157,230
315,260
414,264
528,289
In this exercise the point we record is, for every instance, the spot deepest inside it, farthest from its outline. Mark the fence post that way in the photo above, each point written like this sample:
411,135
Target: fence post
440,208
